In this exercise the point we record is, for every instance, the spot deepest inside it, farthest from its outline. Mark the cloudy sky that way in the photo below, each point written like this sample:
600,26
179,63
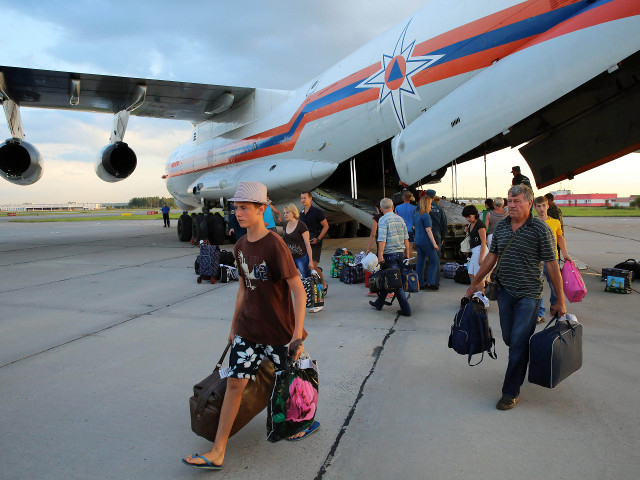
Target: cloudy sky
257,43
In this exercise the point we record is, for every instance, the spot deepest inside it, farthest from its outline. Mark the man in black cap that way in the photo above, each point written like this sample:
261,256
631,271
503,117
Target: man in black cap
518,178
438,228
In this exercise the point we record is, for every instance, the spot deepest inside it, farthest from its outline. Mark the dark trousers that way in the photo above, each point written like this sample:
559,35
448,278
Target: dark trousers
394,260
518,318
165,217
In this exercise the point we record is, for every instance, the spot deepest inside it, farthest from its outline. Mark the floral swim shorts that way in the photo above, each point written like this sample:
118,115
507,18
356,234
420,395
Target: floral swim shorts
246,356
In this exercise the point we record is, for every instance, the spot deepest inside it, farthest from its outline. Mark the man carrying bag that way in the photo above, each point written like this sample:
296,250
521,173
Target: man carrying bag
265,319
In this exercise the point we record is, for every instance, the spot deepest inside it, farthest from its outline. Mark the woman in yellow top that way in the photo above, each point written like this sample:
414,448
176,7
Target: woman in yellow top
542,206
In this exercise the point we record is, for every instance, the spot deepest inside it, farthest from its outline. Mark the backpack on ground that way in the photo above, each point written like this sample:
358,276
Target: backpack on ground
410,282
470,332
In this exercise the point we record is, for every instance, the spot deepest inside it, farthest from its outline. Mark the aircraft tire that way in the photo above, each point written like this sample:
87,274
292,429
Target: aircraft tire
199,230
363,231
215,229
184,228
337,230
351,228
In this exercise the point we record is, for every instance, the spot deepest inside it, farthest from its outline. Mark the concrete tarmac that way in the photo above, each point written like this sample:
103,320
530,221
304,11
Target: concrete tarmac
104,331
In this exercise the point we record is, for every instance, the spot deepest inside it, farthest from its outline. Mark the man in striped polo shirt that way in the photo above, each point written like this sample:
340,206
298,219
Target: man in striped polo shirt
520,279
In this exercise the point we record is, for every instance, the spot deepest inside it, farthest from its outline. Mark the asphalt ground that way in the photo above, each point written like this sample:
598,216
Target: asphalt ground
104,331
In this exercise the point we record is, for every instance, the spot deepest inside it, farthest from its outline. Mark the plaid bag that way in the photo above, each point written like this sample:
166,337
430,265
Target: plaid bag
352,273
449,269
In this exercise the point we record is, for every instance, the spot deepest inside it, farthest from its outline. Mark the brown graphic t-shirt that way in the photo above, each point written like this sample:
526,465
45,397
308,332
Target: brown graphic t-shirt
267,315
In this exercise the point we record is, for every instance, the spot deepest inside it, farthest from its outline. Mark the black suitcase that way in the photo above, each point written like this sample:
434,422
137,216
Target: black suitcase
555,352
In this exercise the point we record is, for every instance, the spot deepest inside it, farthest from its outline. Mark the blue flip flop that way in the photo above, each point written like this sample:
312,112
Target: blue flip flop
204,466
307,431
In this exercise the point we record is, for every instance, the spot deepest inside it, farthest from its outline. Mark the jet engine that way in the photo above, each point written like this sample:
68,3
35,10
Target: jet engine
20,162
115,162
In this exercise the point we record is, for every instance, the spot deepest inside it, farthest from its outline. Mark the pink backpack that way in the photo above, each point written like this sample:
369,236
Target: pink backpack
572,283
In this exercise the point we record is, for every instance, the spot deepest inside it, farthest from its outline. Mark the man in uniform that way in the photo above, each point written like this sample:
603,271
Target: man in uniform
438,228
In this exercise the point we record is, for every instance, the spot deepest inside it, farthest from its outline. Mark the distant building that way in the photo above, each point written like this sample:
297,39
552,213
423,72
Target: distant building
588,200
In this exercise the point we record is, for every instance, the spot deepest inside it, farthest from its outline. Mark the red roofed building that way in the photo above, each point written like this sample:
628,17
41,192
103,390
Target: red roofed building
586,199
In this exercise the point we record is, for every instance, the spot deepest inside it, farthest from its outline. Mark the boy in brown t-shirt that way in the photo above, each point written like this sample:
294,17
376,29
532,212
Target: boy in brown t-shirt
265,319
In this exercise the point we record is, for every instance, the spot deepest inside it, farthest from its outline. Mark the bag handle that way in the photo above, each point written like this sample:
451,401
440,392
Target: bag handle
203,397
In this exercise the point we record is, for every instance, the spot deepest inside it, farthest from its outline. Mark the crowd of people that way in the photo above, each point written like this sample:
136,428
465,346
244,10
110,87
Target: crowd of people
271,300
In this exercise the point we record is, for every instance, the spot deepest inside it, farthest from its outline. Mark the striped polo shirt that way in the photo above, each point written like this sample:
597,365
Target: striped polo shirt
393,230
520,272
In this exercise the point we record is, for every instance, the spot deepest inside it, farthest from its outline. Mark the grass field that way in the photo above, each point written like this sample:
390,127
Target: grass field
592,211
600,212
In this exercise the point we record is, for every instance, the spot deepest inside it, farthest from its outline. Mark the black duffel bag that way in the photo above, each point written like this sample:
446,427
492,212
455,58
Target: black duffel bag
555,352
385,280
462,275
208,395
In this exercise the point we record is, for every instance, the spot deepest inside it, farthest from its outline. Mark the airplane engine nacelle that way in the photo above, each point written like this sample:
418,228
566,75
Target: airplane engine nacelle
20,162
115,162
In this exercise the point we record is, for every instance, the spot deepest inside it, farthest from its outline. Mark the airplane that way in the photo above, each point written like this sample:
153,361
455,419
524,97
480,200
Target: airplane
459,79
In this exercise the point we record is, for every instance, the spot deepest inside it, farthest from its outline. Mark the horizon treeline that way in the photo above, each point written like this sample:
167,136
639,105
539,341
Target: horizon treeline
152,202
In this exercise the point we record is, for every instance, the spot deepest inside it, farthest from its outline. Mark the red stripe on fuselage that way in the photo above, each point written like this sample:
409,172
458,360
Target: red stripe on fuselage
607,12
503,18
602,14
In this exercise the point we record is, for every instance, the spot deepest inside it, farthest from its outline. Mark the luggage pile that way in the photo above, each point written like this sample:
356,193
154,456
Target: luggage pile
213,264
340,258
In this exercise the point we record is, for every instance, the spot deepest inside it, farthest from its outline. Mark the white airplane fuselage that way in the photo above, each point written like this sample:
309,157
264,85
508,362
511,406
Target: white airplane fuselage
439,83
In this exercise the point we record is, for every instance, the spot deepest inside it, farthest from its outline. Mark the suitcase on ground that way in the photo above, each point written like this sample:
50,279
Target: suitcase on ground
208,395
617,280
555,352
572,283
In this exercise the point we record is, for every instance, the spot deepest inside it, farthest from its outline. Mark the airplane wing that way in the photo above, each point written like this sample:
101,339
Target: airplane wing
193,102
